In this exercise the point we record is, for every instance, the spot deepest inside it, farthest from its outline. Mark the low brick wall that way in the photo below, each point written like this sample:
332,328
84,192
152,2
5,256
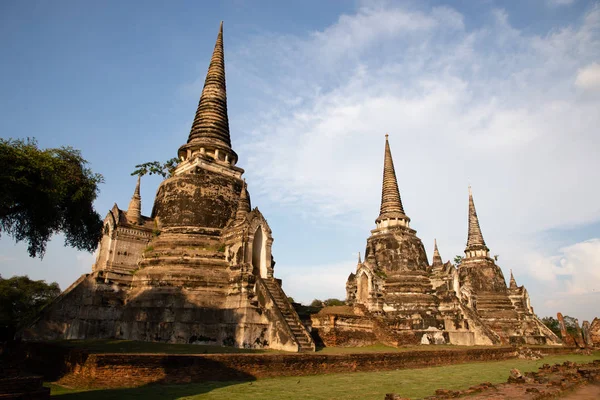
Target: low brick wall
123,370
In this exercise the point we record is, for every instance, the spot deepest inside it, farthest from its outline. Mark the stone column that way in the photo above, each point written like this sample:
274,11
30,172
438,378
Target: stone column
566,338
586,334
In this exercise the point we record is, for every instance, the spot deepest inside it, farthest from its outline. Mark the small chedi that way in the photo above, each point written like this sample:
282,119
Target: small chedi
199,270
397,297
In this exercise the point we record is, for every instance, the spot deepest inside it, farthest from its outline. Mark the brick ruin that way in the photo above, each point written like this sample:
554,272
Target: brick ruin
199,269
397,297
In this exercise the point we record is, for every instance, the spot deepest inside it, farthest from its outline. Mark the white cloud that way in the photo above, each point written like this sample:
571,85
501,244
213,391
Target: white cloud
571,279
316,281
588,78
494,107
473,108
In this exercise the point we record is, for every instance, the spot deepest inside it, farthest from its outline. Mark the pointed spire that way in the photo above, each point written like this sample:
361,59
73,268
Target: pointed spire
134,211
243,204
359,260
513,282
210,128
475,240
391,204
437,259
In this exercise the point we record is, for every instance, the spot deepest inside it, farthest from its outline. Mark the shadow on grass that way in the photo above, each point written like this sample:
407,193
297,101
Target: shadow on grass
180,377
148,392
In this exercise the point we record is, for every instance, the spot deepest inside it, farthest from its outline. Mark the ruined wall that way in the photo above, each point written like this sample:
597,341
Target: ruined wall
122,370
341,327
88,309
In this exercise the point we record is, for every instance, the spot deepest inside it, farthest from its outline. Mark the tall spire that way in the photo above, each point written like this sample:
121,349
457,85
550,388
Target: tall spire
475,243
437,259
359,260
134,211
243,204
391,204
513,282
210,128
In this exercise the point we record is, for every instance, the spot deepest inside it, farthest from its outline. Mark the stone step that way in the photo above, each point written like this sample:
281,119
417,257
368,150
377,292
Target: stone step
296,328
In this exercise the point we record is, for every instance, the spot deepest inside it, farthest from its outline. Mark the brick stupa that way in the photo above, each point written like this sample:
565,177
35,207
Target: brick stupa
199,270
396,297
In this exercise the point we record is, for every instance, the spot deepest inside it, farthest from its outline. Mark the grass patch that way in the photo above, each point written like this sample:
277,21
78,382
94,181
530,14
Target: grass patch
381,348
412,383
134,346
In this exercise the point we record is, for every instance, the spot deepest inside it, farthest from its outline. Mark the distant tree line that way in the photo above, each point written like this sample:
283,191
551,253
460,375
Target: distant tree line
21,300
553,324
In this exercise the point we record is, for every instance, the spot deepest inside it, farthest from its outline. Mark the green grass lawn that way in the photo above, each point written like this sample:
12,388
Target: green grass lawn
413,383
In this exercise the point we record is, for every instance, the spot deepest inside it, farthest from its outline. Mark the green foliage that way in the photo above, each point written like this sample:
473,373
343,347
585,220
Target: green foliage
327,303
154,167
21,299
333,302
552,324
571,324
316,303
291,299
43,192
458,260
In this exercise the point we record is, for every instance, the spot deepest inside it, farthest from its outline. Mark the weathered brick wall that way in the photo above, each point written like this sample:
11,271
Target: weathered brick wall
121,370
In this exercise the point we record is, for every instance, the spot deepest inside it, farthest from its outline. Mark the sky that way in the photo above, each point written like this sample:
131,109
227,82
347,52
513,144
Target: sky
500,95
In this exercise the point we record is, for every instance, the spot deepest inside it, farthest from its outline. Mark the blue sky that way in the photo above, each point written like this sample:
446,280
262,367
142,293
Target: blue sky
501,95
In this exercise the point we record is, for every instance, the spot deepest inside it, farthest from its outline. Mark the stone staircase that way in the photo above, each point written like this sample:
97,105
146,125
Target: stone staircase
303,338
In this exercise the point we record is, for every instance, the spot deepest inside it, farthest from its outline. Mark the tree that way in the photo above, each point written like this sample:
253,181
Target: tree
154,167
571,325
458,260
333,302
552,324
21,299
43,192
316,303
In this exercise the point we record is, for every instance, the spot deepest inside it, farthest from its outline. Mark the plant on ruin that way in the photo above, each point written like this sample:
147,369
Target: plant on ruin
165,169
458,260
47,191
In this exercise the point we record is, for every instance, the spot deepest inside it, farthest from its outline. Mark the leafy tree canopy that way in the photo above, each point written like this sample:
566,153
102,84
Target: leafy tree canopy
316,303
154,167
21,299
327,303
333,302
553,324
43,192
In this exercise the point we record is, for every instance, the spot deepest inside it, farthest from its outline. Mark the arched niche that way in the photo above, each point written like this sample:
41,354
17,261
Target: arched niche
362,293
259,253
